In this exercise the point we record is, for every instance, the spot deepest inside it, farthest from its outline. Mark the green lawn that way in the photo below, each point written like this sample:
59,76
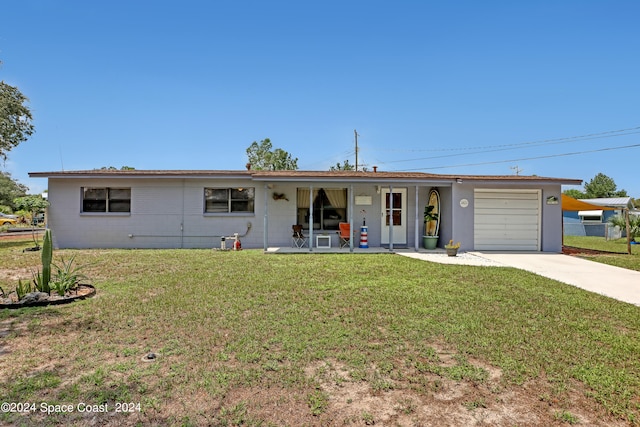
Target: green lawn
619,256
244,338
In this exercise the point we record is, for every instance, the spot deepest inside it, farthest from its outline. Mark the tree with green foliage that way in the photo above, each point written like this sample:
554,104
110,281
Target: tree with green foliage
33,204
10,190
15,118
262,157
602,186
576,194
346,166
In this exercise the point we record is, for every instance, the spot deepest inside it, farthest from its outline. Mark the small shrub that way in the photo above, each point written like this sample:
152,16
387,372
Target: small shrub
566,417
368,419
475,404
318,402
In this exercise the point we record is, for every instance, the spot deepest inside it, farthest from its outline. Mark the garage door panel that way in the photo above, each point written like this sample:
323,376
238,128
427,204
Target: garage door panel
510,227
505,235
505,194
507,220
507,241
528,218
506,212
503,203
506,247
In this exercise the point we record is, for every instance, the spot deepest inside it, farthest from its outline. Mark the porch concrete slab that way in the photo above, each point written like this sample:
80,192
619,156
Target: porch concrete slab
603,279
332,250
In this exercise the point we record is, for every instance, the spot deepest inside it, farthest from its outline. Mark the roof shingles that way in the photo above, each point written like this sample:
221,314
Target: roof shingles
290,175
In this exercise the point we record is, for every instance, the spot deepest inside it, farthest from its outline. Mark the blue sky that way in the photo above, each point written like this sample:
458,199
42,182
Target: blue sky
463,87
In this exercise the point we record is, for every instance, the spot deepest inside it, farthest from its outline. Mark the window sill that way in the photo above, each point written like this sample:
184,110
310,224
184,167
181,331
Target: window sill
105,213
228,214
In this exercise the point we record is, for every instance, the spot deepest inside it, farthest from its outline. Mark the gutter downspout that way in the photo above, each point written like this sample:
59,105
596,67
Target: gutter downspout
182,219
311,218
390,218
265,231
416,236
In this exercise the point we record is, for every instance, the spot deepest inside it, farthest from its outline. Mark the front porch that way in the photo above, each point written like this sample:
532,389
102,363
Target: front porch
392,212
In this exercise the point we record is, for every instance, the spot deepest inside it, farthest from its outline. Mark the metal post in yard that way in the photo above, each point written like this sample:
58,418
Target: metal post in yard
626,219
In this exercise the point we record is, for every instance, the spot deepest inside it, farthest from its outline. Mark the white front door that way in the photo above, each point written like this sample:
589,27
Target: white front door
395,206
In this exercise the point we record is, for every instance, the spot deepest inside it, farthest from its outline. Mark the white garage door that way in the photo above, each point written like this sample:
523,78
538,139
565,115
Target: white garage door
507,220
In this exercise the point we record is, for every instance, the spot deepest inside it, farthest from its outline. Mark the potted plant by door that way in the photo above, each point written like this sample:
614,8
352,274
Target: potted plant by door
430,239
452,248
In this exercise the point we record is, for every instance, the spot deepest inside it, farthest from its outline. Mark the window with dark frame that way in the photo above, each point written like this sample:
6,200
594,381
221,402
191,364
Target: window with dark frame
229,200
106,200
329,208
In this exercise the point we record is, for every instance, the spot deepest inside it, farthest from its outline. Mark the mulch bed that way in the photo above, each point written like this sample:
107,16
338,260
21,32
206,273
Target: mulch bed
81,292
571,250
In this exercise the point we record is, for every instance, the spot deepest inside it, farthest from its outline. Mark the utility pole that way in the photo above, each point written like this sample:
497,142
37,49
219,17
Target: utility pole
356,134
516,169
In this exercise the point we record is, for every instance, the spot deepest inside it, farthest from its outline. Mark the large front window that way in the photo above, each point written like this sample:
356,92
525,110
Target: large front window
329,207
229,200
106,199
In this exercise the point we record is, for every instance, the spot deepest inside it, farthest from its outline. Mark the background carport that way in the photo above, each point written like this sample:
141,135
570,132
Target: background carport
571,204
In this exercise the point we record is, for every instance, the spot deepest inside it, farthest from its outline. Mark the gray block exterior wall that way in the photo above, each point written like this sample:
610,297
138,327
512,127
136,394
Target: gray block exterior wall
165,213
551,214
168,212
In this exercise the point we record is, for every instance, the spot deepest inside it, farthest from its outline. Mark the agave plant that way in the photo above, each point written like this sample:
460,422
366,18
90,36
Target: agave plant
66,277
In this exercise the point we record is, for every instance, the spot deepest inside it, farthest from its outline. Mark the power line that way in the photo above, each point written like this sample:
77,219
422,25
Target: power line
508,147
632,131
525,158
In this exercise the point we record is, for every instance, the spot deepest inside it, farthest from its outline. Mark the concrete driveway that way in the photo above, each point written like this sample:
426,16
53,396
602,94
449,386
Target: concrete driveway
614,282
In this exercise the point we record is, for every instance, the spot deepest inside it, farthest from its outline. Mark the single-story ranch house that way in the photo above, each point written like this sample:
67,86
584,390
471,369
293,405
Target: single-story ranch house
195,208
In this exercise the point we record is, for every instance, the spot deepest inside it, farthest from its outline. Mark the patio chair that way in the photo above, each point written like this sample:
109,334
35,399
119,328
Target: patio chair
298,239
344,233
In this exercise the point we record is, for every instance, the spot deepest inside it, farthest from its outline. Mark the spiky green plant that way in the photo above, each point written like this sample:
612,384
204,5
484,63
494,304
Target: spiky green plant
22,288
47,255
67,276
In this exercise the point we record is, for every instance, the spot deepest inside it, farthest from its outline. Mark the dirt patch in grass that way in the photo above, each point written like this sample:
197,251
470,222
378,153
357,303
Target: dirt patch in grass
340,400
428,399
338,396
11,275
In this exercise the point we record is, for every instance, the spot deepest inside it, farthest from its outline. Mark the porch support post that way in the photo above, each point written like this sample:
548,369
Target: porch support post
417,224
351,233
311,218
265,228
390,218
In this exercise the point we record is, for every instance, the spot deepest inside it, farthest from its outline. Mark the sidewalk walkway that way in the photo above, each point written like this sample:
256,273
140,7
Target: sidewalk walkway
614,282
